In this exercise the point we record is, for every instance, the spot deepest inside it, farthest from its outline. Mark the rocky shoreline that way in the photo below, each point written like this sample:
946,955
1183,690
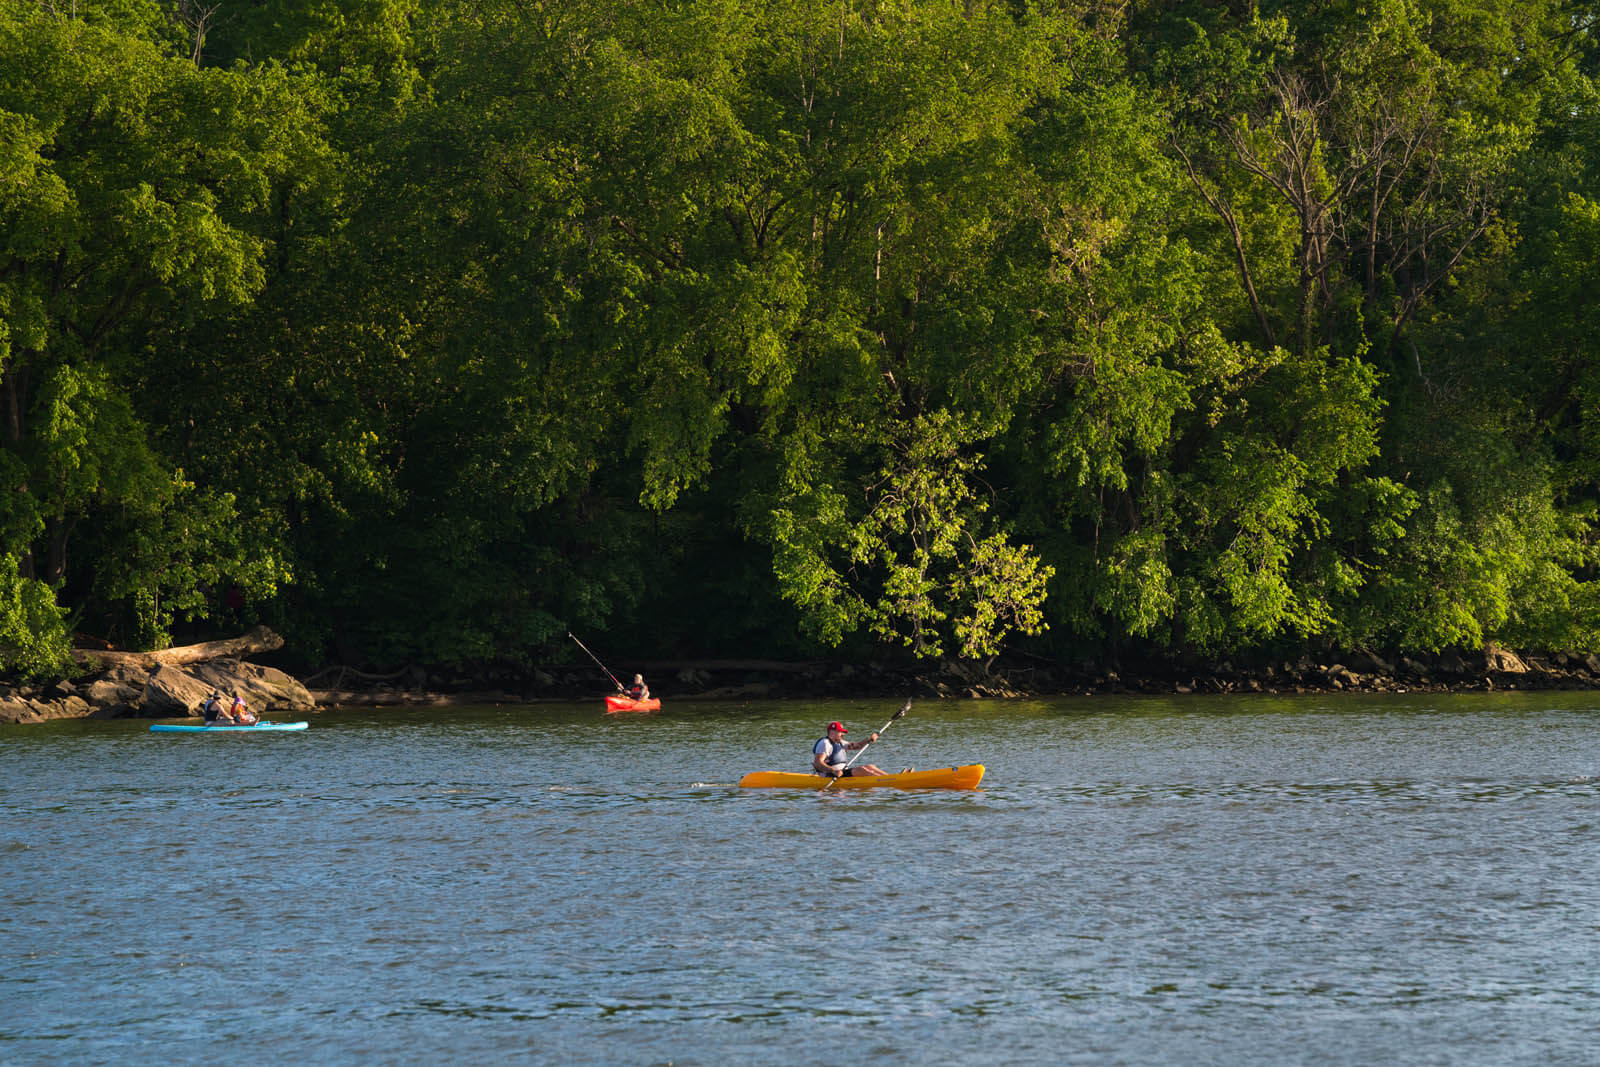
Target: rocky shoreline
166,690
1492,669
159,692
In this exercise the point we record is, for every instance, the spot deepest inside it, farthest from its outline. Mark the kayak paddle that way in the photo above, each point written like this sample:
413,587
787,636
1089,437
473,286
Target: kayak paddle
897,715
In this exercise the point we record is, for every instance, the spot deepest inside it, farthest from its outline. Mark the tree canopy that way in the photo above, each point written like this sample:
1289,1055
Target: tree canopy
428,331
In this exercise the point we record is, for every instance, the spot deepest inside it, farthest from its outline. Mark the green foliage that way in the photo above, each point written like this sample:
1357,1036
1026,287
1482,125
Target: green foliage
171,552
432,330
133,185
917,567
34,642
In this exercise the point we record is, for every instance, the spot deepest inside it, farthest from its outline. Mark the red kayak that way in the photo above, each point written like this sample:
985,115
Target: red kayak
622,703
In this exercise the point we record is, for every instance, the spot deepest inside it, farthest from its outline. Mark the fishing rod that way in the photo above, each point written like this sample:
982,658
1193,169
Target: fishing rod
602,666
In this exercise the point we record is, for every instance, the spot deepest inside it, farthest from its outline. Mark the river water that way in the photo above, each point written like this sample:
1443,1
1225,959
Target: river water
1196,880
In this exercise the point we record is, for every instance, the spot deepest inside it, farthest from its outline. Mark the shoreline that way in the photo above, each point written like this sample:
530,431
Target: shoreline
1499,671
129,691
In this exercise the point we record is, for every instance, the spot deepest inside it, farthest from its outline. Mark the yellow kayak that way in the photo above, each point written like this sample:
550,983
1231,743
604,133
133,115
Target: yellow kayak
966,777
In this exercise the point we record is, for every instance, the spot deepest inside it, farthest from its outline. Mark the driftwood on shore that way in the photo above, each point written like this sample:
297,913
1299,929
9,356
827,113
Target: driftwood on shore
257,640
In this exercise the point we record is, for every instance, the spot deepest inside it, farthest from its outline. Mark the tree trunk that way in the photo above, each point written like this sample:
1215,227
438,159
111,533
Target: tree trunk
259,639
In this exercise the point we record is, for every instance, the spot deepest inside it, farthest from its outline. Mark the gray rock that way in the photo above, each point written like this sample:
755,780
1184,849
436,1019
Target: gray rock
162,692
263,688
1369,663
1414,668
171,692
693,677
107,693
67,707
1499,659
17,710
970,673
126,674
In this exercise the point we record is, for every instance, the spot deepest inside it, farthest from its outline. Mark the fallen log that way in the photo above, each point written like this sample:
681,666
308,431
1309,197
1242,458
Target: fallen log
260,639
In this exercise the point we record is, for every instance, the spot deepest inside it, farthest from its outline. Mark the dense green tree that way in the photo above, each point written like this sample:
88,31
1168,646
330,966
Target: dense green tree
430,330
131,188
1355,162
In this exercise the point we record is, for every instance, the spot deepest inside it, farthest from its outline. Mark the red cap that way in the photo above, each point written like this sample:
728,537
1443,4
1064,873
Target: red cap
836,725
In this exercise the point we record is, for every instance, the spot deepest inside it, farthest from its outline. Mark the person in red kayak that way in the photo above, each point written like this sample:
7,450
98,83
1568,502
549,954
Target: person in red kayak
829,754
638,690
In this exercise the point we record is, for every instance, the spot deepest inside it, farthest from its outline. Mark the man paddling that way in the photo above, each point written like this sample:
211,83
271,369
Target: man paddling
829,755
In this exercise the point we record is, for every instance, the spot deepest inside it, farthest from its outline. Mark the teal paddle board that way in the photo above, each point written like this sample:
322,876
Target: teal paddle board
173,728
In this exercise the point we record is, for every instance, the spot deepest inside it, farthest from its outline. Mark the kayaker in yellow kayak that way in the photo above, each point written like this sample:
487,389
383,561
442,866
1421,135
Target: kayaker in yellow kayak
828,755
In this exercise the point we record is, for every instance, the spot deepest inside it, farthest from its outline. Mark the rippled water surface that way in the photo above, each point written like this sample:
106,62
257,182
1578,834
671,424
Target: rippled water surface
1347,880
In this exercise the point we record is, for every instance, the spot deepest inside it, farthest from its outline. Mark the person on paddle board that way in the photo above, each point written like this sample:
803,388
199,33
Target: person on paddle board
240,714
212,707
638,690
830,754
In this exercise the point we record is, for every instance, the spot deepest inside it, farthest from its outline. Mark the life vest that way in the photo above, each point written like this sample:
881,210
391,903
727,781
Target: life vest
833,755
